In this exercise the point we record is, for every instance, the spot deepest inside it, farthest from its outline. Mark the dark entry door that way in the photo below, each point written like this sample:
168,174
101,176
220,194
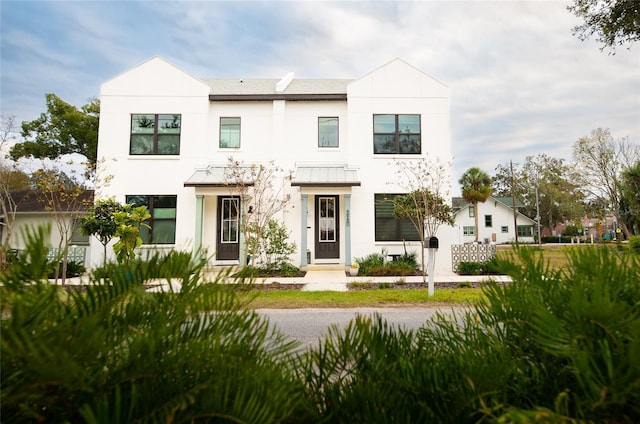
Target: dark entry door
228,243
327,245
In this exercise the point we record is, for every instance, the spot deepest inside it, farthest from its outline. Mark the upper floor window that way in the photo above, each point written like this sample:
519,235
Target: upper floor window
396,134
163,218
387,226
472,211
229,133
155,134
327,132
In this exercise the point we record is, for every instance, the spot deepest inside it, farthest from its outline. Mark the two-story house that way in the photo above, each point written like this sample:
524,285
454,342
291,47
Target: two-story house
165,137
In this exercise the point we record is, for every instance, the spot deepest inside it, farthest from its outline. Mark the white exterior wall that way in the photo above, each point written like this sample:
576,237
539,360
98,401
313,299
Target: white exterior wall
502,216
281,131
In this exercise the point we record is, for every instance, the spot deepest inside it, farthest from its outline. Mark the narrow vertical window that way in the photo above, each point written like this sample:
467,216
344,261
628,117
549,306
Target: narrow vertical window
327,221
327,132
230,220
229,133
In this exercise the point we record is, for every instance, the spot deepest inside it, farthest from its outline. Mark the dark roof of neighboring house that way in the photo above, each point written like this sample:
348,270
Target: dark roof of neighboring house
33,201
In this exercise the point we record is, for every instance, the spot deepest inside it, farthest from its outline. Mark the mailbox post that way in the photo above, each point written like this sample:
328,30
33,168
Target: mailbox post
432,246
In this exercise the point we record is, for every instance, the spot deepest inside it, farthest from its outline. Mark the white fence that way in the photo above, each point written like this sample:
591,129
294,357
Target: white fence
74,254
471,253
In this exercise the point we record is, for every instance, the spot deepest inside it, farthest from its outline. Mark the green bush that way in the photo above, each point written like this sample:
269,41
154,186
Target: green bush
117,353
74,269
552,346
490,267
375,264
634,244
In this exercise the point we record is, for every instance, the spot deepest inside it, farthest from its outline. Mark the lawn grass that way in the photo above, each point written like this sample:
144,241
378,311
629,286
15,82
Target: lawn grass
555,255
384,298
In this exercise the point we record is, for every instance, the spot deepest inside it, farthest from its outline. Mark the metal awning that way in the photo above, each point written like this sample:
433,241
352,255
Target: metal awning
212,176
325,176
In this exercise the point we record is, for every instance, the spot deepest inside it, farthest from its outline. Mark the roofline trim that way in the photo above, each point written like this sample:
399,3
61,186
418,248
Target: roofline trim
312,184
270,97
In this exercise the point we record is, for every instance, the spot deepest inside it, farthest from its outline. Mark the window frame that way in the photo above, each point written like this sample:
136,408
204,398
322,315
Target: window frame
472,211
397,134
337,132
488,221
530,230
151,199
157,135
239,130
469,230
504,229
398,224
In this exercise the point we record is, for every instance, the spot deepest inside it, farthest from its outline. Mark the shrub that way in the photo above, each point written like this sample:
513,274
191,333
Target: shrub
117,353
74,269
469,268
634,244
552,346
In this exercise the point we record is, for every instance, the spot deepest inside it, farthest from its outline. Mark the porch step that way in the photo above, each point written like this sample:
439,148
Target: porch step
324,267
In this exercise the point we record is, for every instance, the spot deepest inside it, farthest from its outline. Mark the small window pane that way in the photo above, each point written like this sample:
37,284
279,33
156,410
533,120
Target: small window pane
328,132
164,232
168,144
409,124
384,144
169,124
410,144
143,124
384,124
141,144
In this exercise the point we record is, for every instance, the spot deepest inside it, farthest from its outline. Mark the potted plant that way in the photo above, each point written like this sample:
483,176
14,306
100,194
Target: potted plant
353,270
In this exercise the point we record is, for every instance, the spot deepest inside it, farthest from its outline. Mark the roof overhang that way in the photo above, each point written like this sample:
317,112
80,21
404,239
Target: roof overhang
214,176
325,176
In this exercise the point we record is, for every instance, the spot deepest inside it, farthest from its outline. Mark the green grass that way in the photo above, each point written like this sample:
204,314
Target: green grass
292,299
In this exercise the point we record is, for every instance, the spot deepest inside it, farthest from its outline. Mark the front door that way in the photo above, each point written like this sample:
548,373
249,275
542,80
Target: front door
228,243
327,244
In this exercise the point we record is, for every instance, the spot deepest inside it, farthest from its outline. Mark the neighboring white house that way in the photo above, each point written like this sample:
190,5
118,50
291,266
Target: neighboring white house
495,222
29,209
165,137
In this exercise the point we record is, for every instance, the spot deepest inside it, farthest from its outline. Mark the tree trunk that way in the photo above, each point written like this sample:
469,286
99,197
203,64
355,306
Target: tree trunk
475,214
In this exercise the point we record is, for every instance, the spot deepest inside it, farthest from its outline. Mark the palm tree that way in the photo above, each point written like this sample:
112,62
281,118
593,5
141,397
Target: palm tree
476,188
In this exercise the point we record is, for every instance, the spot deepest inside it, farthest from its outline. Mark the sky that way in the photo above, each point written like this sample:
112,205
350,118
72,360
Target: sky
520,82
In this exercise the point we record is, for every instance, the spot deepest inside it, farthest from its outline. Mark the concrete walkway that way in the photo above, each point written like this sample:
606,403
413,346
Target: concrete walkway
334,278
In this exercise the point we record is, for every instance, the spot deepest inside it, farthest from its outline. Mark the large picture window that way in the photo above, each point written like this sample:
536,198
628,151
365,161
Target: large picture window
163,218
327,132
388,227
525,230
229,133
155,134
396,134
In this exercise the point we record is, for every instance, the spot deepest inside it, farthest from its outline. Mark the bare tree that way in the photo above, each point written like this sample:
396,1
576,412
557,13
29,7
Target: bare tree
424,204
600,160
8,174
261,191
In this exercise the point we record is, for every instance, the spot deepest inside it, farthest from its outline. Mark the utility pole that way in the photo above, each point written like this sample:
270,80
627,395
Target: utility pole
513,202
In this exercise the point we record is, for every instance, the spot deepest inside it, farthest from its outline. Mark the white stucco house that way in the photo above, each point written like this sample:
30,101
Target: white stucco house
495,222
165,137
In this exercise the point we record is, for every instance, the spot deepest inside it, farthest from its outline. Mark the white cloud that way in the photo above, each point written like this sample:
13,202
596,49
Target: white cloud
520,82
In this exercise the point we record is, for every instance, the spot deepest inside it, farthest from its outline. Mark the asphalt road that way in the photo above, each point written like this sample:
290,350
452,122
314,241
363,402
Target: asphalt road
310,325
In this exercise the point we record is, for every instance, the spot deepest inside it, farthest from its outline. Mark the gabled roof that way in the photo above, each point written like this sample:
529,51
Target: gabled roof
459,203
33,201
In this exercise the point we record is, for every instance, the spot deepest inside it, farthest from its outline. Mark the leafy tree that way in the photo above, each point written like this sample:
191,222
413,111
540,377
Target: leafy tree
273,249
630,197
476,188
614,22
100,222
560,198
600,160
424,204
128,222
62,129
